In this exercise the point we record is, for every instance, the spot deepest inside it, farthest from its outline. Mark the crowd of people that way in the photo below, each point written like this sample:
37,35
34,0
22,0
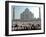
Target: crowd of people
30,27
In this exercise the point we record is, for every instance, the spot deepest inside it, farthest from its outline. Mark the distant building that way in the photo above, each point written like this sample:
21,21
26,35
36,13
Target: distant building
27,15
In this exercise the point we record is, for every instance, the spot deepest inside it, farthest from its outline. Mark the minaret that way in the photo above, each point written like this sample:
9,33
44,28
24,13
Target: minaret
13,12
39,13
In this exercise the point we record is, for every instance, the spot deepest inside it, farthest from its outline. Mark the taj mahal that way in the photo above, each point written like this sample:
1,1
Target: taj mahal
27,21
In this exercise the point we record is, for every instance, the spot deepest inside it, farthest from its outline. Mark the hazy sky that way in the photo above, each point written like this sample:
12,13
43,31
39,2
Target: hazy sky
20,9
